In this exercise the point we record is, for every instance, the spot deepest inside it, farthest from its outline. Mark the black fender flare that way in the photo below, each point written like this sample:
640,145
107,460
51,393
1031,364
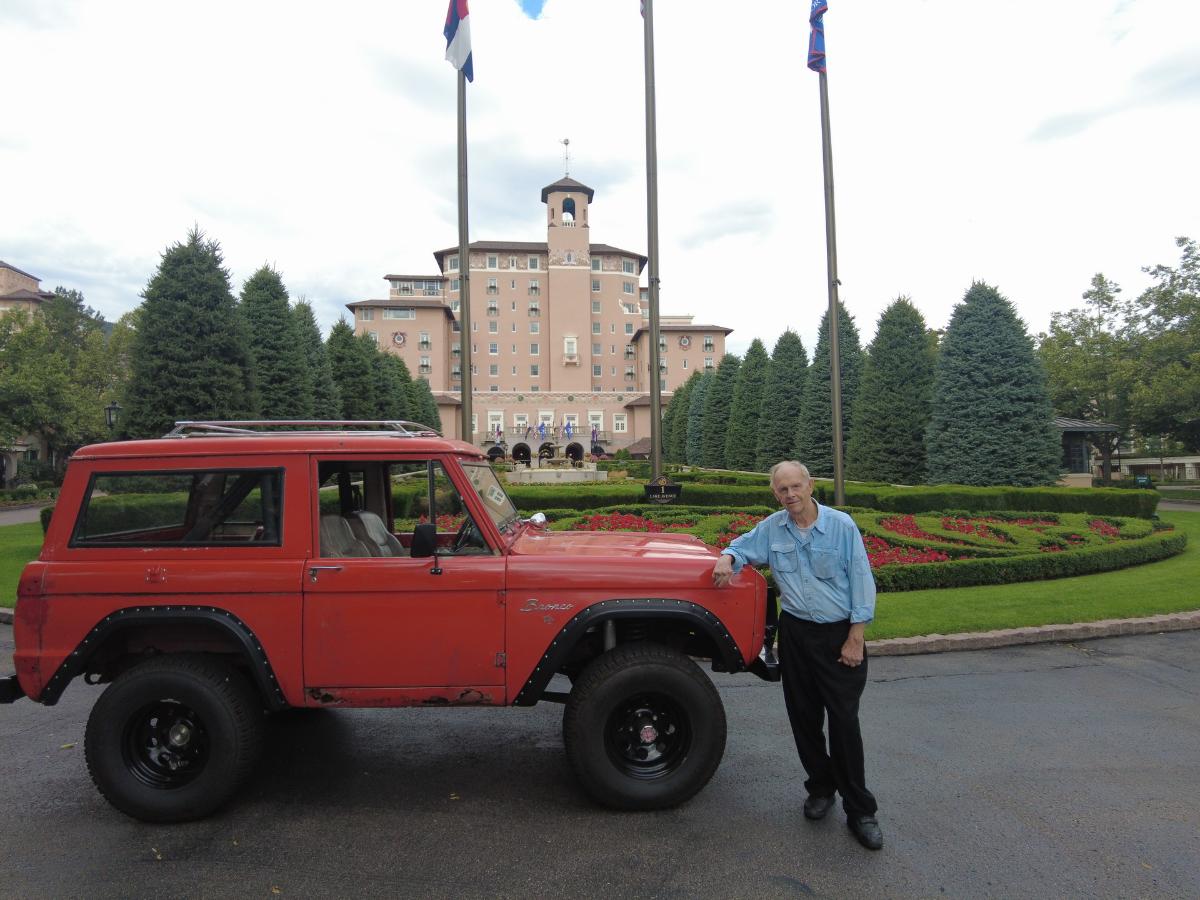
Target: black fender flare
641,608
133,616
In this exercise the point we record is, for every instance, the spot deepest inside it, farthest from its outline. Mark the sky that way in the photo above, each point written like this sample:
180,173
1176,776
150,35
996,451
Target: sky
1029,147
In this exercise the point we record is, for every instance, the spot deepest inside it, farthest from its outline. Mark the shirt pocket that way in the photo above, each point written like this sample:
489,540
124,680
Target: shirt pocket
826,565
784,558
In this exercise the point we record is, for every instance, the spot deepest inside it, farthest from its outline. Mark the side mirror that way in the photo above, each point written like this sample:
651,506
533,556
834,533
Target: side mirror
424,541
537,519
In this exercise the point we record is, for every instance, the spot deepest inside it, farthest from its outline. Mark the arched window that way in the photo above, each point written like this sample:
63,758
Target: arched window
568,210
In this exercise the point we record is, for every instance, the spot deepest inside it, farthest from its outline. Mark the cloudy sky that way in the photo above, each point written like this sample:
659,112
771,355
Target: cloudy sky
1028,146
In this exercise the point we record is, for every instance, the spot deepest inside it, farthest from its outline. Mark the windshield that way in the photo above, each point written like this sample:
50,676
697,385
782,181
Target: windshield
495,500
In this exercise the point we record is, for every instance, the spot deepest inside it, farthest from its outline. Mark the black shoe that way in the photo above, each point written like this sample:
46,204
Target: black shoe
816,807
866,829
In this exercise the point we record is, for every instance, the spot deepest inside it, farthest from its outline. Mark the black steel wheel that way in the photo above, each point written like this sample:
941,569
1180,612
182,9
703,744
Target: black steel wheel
644,728
172,738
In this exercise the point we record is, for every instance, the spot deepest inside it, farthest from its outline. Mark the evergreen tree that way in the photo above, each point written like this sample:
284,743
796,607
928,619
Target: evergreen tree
814,439
394,399
992,422
327,404
190,357
281,371
786,376
423,404
741,443
694,441
892,409
352,367
717,403
675,442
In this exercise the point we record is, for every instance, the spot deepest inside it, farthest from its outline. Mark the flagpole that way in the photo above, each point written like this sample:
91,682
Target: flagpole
652,245
464,262
835,365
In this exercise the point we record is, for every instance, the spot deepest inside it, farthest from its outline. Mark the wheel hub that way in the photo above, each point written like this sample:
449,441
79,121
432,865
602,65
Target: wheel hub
648,734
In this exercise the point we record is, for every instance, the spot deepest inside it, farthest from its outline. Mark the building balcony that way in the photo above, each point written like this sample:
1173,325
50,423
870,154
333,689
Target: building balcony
424,345
570,359
535,310
425,370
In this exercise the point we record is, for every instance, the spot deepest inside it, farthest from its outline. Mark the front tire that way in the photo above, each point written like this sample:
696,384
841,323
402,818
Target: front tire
171,739
644,728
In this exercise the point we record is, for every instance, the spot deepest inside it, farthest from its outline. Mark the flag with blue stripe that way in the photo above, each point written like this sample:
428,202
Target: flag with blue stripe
458,38
816,38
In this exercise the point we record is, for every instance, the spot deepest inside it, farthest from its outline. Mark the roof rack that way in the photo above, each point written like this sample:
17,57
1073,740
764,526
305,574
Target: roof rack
294,427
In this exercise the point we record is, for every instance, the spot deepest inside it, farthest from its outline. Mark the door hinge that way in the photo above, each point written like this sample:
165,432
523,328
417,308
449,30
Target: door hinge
500,661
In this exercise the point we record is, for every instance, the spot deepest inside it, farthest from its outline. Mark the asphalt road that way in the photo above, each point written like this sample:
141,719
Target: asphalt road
1050,770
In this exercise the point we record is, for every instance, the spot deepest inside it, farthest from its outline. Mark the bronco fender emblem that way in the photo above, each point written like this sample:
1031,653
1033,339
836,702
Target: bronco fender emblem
534,605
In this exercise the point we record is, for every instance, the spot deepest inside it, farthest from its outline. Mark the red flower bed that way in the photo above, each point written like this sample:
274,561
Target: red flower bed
881,553
978,527
446,521
740,525
907,526
1104,529
624,522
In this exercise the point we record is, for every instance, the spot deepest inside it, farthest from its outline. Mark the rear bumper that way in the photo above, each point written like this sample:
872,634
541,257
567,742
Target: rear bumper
10,689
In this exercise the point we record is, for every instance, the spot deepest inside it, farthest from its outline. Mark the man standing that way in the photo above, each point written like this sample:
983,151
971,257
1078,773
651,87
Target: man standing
827,596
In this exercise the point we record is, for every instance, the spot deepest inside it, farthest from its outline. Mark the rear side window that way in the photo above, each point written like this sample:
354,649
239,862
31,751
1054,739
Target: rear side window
194,508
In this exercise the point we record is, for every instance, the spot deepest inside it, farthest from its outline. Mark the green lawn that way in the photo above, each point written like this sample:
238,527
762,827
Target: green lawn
1161,587
18,545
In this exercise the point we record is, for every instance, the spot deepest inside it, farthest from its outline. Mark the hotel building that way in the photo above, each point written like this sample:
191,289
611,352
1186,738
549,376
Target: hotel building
559,337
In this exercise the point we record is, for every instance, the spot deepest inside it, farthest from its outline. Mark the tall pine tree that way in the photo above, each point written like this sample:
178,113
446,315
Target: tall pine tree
694,442
992,422
327,404
892,410
190,357
675,441
394,385
423,405
717,403
786,376
741,443
283,377
353,367
814,438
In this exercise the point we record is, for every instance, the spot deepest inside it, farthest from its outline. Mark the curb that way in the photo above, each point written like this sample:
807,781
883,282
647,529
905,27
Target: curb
1005,637
1039,634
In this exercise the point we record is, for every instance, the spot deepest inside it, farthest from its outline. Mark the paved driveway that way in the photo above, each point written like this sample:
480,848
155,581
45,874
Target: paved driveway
1053,770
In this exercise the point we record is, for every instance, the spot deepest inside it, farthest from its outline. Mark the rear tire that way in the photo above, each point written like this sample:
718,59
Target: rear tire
644,728
173,738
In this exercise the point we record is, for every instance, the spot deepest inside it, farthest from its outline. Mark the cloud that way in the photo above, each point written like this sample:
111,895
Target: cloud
753,219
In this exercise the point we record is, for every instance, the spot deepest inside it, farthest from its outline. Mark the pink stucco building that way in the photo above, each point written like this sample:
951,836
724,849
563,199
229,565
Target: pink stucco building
559,335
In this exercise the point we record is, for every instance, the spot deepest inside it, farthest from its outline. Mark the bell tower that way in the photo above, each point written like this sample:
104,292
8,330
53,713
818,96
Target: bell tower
568,304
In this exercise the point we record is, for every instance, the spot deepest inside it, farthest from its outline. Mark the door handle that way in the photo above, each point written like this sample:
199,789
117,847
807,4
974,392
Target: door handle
313,570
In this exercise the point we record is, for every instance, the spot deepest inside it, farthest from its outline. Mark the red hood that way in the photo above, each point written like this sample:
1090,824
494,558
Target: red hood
534,542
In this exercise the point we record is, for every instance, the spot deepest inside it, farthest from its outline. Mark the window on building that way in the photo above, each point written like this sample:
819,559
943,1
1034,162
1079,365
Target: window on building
570,258
493,327
493,349
454,307
595,290
597,371
423,342
494,369
534,370
425,368
533,389
535,349
373,335
627,287
535,288
493,287
629,328
628,266
662,345
494,388
453,284
533,262
629,351
595,328
512,262
366,313
571,346
708,363
629,373
619,420
595,263
451,263
403,288
493,261
709,346
535,327
597,349
514,349
404,312
475,325
685,363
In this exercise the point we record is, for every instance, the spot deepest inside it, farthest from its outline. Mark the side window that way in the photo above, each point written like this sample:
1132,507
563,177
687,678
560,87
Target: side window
216,508
371,508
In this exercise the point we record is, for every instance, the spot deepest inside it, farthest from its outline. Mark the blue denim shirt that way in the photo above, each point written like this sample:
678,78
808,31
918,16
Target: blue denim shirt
824,576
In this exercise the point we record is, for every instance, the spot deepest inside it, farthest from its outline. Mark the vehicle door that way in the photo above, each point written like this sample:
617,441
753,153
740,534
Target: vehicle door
377,618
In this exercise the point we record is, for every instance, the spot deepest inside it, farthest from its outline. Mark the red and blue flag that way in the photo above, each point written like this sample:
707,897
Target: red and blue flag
816,38
458,38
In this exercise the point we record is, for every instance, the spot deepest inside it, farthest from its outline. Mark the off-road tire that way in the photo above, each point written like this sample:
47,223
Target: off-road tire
620,695
173,738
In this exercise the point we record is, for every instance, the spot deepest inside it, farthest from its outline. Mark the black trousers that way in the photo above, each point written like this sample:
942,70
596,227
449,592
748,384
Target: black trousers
815,684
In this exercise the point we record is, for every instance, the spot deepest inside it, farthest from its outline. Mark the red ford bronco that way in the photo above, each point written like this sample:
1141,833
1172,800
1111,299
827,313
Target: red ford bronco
233,567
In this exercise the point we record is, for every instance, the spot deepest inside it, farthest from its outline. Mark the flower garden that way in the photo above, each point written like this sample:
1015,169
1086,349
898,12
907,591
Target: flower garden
913,551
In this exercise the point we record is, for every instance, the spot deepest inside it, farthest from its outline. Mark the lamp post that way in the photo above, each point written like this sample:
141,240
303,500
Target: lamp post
112,414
